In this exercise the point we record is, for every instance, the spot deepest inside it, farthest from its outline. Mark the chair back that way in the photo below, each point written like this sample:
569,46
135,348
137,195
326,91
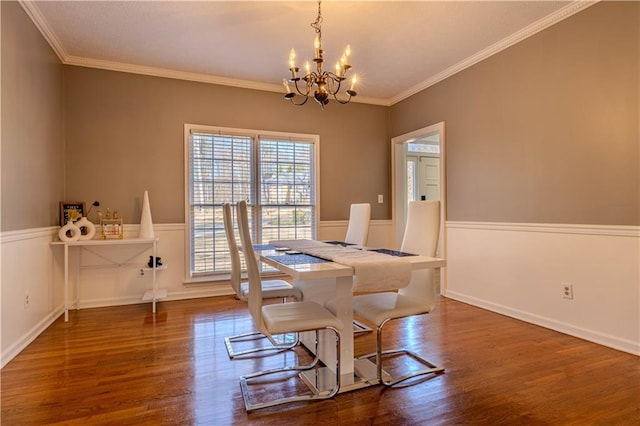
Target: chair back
358,229
421,237
253,272
236,267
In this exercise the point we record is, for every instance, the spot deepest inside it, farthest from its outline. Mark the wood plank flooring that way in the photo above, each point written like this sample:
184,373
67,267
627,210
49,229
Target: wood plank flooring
124,365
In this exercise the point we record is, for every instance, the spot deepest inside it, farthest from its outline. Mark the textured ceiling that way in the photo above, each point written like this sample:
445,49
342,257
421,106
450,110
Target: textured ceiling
398,48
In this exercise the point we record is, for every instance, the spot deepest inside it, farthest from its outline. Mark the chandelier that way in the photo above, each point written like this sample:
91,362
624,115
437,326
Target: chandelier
325,84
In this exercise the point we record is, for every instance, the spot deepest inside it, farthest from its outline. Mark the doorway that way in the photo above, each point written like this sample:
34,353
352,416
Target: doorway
418,170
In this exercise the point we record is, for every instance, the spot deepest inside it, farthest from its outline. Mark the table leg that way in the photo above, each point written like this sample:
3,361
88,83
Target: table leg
66,283
344,312
153,277
321,291
78,263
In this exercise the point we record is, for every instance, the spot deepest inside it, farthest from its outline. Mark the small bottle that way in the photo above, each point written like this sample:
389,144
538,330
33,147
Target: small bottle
107,215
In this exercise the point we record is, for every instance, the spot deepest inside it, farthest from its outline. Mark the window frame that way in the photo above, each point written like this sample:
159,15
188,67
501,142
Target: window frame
256,136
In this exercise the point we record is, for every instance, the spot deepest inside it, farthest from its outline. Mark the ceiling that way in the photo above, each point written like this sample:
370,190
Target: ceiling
398,48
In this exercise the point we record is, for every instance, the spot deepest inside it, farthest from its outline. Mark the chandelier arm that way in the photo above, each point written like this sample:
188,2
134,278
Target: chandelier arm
338,80
306,98
307,84
335,76
334,81
340,101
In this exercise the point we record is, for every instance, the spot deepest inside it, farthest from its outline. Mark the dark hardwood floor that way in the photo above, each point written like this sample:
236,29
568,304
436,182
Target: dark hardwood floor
124,365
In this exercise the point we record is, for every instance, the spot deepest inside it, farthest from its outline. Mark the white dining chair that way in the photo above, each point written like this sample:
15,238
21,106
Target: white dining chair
271,289
358,228
282,318
358,234
418,297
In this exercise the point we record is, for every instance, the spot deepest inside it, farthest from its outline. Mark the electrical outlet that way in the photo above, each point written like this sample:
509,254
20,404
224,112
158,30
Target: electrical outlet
567,291
26,300
141,273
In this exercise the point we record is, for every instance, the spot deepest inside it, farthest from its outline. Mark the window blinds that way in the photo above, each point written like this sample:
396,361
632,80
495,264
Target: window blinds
275,175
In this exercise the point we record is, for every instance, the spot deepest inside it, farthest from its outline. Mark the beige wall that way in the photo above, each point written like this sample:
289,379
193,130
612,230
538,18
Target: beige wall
547,130
124,134
32,125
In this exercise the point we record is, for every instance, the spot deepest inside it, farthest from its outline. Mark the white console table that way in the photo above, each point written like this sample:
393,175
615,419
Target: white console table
152,243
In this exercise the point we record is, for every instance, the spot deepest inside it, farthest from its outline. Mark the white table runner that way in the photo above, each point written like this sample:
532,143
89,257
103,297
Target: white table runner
373,272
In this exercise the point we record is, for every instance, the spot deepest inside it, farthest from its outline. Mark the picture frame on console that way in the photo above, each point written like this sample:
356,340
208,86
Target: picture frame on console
68,207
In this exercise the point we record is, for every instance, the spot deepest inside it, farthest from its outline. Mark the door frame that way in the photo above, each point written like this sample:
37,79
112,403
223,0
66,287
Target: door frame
399,187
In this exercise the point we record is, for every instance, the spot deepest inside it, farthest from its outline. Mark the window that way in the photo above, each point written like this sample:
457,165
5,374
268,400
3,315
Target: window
275,173
412,178
423,148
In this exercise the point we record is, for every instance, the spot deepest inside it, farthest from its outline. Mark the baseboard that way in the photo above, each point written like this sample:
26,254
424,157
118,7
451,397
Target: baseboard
205,291
582,333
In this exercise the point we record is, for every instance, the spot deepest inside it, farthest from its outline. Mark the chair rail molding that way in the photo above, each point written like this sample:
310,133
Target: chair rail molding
585,229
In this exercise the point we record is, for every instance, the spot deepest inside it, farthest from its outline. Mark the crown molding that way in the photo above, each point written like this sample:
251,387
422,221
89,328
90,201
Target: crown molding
542,24
190,76
168,73
41,24
34,13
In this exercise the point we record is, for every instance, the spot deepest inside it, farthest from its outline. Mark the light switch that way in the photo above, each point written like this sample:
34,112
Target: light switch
380,199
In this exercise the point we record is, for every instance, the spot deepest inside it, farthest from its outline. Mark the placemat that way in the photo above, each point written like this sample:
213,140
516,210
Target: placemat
393,252
296,259
259,247
339,243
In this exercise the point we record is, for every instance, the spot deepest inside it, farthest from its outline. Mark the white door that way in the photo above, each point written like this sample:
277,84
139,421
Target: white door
429,178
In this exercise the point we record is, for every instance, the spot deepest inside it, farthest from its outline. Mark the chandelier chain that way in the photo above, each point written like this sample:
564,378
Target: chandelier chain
317,25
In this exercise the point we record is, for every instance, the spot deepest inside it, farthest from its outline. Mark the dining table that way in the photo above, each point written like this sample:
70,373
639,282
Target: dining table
334,270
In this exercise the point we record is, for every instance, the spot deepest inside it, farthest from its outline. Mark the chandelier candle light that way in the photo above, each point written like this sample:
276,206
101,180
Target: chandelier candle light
327,84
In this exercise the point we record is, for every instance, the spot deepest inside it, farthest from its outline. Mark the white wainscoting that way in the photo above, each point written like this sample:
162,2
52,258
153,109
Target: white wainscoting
518,269
30,265
380,232
103,284
513,269
28,268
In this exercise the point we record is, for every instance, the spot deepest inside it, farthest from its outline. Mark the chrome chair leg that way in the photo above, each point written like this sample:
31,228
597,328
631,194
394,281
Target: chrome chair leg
244,385
359,327
264,350
379,354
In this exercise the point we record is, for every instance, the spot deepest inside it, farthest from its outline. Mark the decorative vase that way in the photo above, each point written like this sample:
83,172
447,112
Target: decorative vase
146,223
88,225
72,229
